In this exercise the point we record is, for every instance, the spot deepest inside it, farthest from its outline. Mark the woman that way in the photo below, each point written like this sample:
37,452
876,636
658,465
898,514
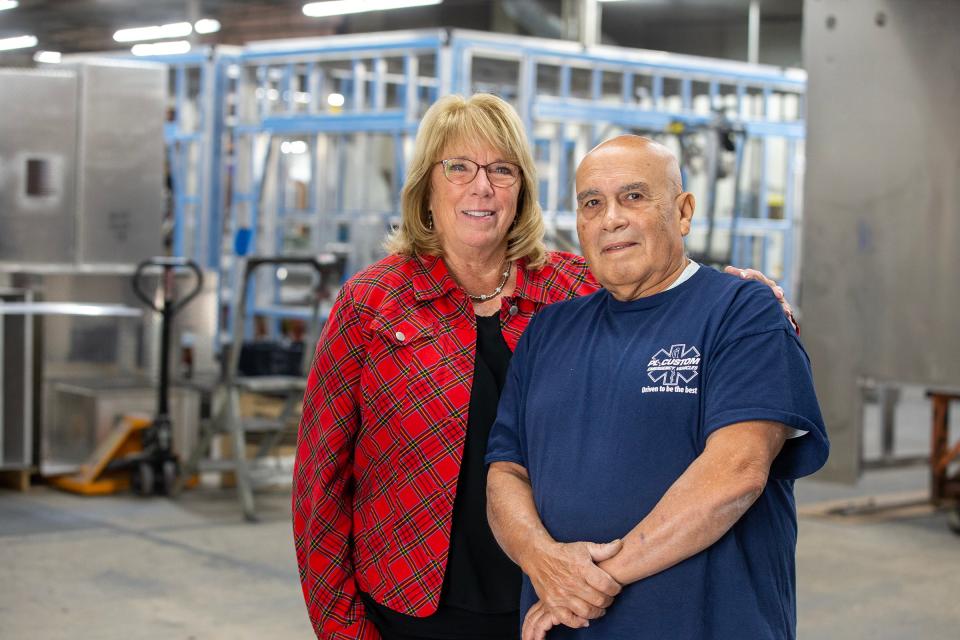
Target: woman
389,503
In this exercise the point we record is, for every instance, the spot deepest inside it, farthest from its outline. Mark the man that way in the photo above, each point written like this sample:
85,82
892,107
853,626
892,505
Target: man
669,413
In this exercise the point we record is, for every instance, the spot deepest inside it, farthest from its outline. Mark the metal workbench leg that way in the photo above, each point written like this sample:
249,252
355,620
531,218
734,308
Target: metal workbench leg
244,481
938,446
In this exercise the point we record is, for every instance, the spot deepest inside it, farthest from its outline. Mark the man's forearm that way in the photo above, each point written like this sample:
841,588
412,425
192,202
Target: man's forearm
701,506
512,513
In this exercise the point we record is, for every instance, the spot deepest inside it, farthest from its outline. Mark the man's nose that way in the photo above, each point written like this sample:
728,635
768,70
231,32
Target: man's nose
612,218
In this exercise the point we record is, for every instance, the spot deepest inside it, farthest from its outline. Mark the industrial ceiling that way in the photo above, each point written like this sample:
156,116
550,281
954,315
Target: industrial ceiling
72,26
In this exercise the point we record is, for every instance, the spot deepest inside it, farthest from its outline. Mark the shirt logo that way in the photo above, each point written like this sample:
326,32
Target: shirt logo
673,368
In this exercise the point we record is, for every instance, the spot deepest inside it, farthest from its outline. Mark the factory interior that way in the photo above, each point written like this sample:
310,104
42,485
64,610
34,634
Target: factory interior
186,185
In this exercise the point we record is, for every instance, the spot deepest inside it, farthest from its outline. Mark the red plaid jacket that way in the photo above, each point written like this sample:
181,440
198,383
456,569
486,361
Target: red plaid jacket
383,426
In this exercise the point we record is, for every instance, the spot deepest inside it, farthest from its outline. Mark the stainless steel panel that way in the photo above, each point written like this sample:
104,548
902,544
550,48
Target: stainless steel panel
82,413
882,204
91,346
38,131
81,164
120,160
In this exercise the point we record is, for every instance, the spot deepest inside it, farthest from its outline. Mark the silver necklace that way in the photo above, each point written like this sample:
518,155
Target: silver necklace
496,292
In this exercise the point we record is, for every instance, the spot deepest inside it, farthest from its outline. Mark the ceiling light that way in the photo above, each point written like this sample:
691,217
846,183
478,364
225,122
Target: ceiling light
173,30
206,25
8,4
161,48
49,57
341,7
293,146
17,42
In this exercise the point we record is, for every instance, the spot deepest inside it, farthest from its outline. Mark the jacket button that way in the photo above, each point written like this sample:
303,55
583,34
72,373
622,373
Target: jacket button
513,310
400,337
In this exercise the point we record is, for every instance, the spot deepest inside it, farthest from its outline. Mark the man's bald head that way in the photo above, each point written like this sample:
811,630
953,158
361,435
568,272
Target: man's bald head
661,160
632,215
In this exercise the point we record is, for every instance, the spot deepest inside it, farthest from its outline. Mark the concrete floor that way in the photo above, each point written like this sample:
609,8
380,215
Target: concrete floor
121,567
886,575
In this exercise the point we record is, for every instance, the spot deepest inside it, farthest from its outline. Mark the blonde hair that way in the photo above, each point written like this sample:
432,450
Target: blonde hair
482,118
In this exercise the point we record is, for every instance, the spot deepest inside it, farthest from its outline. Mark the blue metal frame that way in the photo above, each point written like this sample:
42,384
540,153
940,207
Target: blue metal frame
554,121
567,113
197,153
364,112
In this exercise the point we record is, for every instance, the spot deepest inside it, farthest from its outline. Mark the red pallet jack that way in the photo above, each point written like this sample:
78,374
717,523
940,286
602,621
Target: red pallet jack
139,452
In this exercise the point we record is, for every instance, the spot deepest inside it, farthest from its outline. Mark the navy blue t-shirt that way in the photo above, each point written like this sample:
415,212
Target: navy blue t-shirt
607,403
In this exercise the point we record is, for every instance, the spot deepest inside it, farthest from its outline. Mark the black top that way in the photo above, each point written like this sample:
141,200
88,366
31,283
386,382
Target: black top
481,586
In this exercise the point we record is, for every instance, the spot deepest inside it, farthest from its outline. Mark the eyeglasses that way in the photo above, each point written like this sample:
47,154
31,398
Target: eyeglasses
463,171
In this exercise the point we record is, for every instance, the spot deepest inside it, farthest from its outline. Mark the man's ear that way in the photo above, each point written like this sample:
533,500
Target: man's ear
686,205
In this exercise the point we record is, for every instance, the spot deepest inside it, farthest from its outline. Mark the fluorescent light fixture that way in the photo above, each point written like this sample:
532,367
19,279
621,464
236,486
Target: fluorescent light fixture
293,146
161,32
49,57
17,42
8,4
341,7
206,25
335,100
161,48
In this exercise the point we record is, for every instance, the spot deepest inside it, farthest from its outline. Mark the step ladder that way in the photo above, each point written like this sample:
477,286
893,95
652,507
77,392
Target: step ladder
227,417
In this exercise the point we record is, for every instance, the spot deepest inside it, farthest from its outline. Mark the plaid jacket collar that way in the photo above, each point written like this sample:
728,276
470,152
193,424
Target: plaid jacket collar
432,279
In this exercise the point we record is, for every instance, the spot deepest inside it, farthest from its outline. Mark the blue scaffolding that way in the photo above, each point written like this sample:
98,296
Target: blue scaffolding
572,98
300,145
192,134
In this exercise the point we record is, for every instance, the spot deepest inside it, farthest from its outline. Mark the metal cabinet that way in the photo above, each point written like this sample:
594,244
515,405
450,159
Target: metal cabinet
80,414
81,164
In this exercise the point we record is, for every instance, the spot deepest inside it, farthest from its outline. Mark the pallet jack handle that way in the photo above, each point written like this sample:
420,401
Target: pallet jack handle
170,265
170,308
